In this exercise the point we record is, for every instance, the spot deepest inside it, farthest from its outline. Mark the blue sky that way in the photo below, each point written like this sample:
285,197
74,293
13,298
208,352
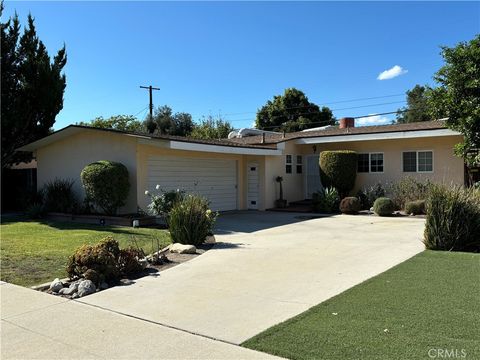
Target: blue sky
230,58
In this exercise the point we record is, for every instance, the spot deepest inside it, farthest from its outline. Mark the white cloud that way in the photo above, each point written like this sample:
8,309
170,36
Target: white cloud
391,73
373,120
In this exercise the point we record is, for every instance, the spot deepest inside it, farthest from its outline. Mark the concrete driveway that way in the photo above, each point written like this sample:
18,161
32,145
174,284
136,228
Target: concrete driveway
266,268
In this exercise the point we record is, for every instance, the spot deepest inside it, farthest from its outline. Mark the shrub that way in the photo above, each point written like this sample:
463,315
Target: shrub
409,189
191,220
369,194
162,202
35,211
338,169
106,185
416,207
104,261
383,206
453,219
128,260
99,257
58,196
350,205
326,200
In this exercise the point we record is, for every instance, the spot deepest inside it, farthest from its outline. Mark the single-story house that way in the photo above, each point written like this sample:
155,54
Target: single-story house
239,172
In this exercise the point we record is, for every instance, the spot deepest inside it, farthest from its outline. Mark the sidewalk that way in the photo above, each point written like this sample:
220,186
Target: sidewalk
36,325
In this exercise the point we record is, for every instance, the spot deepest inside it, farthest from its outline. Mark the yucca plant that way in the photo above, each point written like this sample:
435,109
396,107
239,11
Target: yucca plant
453,219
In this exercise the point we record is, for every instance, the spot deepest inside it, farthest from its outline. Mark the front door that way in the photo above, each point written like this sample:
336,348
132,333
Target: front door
252,186
312,176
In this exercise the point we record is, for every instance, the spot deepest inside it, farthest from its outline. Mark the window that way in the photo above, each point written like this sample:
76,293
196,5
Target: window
418,161
410,161
288,164
376,163
299,164
372,162
425,161
363,163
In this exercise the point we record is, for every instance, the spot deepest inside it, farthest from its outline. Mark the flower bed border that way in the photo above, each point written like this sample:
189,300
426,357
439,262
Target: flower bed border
103,219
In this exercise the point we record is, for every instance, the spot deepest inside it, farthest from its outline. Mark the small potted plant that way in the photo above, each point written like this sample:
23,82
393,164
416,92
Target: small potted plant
280,202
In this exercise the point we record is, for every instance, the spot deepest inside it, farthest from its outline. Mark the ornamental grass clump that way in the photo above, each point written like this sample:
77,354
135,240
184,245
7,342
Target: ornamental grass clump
326,200
191,220
409,189
453,219
416,207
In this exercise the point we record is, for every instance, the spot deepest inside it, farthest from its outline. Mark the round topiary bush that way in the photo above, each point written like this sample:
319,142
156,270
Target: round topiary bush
350,205
106,185
415,207
383,206
338,169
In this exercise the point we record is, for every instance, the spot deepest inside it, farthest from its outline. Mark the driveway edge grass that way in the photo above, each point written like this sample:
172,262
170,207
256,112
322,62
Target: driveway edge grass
430,301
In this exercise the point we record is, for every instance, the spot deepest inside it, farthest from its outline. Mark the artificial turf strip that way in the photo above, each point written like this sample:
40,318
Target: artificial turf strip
431,301
34,252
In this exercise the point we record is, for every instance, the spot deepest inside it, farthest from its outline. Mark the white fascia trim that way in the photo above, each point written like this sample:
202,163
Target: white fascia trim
378,136
180,145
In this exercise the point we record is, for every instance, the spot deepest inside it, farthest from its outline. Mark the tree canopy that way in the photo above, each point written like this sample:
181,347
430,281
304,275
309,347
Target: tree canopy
292,111
418,107
169,123
32,88
212,128
458,94
117,122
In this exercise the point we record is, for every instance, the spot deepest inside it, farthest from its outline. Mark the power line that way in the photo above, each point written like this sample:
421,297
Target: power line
150,88
318,112
146,107
323,103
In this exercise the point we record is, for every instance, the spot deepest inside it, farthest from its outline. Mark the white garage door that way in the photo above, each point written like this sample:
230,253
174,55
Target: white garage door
212,178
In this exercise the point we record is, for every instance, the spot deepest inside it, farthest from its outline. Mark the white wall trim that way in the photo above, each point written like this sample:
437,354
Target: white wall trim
378,136
180,145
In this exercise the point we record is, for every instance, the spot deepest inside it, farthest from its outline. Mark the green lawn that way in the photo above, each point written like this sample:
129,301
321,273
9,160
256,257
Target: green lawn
34,252
431,301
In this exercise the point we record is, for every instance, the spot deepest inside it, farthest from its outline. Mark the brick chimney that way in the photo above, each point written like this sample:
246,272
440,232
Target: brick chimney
347,122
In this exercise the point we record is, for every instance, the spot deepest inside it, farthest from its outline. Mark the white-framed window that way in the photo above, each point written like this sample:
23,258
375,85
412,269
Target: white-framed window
288,164
299,165
417,161
370,163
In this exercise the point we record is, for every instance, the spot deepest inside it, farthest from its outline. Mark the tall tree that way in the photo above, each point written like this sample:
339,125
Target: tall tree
417,108
32,87
458,95
169,123
292,111
212,128
117,122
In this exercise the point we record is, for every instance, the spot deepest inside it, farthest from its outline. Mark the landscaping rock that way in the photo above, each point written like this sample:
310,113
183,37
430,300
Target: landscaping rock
210,239
70,290
86,287
75,296
56,285
144,263
183,249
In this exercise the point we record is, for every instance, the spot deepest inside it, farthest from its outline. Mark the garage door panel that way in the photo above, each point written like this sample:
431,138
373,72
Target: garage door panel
215,179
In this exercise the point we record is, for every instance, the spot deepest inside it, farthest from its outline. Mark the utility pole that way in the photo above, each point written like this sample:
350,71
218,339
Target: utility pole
150,88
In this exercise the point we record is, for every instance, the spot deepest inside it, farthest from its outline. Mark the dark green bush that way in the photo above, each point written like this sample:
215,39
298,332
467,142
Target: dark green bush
383,206
416,207
191,220
35,211
369,194
350,205
453,219
409,189
106,185
326,201
58,196
338,169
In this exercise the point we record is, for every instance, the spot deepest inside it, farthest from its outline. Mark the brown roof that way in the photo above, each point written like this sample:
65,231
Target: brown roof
335,131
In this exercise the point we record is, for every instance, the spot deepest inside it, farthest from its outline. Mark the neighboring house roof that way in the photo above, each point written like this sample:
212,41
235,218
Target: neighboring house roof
175,142
350,132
